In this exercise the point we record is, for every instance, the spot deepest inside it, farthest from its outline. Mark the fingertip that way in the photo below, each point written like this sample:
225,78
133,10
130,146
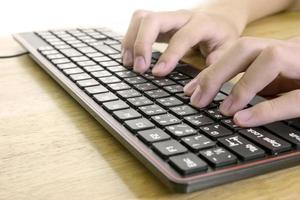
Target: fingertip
196,97
243,118
139,64
127,58
189,88
159,69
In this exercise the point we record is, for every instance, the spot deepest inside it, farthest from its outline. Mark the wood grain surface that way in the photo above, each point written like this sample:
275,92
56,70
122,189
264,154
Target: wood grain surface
51,148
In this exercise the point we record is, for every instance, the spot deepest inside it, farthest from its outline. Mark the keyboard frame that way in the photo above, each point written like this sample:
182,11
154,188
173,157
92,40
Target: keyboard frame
152,161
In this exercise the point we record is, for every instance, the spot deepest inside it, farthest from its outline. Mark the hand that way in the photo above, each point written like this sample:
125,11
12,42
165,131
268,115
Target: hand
271,66
211,33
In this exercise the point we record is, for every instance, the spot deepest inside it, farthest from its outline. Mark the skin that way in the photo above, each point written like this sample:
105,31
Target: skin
270,66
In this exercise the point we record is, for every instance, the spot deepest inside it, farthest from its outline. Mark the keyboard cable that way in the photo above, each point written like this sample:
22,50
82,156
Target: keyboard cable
14,55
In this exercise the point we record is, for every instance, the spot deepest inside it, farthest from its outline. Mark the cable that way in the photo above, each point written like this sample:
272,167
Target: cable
15,55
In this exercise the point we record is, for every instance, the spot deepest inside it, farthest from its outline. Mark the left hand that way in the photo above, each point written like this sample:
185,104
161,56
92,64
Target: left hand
271,67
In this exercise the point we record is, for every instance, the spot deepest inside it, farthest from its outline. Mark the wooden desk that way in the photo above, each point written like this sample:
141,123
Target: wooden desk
51,148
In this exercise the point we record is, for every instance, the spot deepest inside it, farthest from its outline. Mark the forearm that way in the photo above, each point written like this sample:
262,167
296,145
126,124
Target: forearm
242,12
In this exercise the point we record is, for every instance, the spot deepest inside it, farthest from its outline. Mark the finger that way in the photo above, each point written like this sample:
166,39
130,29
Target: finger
274,60
283,107
151,26
185,38
210,59
129,38
191,86
232,62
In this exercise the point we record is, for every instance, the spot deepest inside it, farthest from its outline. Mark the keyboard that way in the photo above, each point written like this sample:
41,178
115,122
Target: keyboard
187,148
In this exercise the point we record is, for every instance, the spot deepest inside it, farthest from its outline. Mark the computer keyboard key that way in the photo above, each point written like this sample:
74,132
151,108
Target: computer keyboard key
86,63
169,148
169,102
155,94
145,86
156,55
219,156
215,114
271,143
60,61
70,71
183,110
198,120
79,58
295,123
126,74
153,135
242,147
93,68
198,142
220,97
286,132
87,83
110,79
100,74
95,89
126,114
78,77
116,56
66,66
180,130
109,63
183,97
116,69
101,59
106,49
48,52
115,105
135,80
125,94
187,164
139,101
104,97
215,130
184,82
96,55
174,89
230,124
70,52
139,124
55,56
152,110
162,81
165,120
119,86
177,76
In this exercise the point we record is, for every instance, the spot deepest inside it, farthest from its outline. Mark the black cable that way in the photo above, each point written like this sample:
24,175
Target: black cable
15,55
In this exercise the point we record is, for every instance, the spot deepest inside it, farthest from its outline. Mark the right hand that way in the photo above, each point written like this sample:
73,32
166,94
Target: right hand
209,32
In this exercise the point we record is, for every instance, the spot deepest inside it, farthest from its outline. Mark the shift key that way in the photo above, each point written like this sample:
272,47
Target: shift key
271,143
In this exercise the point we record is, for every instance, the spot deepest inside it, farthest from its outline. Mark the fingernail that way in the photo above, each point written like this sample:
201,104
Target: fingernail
195,98
158,67
139,64
127,58
226,105
243,116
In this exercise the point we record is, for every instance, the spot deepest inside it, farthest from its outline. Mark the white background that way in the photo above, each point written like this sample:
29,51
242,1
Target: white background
33,15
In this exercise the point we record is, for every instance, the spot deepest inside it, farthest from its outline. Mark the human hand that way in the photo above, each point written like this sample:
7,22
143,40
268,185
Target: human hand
271,67
210,32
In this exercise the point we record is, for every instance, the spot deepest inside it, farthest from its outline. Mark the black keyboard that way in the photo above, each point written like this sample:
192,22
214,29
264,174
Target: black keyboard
186,147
